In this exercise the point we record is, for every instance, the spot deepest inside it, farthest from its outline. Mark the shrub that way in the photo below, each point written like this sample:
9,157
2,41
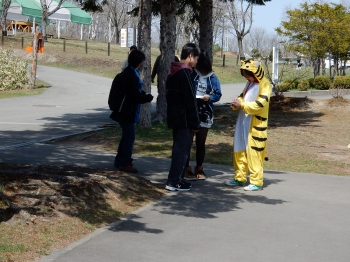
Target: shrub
13,71
282,87
291,83
311,83
322,82
304,85
341,82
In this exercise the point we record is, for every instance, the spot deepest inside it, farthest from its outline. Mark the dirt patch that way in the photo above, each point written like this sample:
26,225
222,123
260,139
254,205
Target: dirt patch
53,206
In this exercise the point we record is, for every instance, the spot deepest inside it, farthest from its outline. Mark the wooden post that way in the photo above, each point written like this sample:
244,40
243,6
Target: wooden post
22,42
223,60
86,47
109,48
64,45
35,59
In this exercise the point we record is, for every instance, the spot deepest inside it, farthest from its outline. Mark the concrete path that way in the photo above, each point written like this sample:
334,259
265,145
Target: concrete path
297,217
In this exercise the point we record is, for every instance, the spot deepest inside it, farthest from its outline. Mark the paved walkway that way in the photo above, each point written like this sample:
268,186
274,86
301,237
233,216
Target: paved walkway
297,217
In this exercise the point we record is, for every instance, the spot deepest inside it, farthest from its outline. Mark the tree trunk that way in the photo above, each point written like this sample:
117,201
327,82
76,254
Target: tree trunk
144,44
323,66
35,60
206,26
45,16
117,36
5,8
336,65
167,49
240,47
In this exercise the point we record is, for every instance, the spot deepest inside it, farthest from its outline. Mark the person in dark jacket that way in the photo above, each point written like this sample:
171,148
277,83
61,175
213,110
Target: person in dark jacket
130,95
182,114
156,67
208,89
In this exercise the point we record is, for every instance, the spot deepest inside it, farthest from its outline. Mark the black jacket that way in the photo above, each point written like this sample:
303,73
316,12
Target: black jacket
181,98
130,96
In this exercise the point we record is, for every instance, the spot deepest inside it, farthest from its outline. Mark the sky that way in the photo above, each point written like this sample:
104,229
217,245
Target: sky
270,15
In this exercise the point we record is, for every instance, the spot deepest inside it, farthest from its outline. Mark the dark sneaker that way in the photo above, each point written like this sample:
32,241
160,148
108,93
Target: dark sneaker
128,168
189,174
186,183
178,187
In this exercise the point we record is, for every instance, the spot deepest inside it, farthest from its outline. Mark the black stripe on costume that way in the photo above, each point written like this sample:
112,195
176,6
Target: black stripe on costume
261,139
260,128
259,73
261,118
259,103
257,148
264,97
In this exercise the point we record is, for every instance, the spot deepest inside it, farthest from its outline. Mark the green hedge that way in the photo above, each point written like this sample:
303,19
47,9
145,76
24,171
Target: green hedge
311,82
341,82
322,82
304,85
13,71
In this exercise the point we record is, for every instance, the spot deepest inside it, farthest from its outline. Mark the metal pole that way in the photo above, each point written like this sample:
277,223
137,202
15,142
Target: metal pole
275,65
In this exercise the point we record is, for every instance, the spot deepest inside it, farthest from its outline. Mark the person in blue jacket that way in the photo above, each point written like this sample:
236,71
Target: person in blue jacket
208,92
131,95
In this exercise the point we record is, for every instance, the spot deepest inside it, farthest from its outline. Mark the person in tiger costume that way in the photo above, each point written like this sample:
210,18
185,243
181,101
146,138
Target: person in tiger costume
250,137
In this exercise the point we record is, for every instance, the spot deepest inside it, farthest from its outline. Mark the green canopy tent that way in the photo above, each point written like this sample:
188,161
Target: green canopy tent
30,10
76,16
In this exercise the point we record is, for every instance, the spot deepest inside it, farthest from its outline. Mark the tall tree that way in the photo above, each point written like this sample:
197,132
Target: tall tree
240,15
206,26
205,18
45,6
144,44
92,5
316,31
167,48
5,7
117,14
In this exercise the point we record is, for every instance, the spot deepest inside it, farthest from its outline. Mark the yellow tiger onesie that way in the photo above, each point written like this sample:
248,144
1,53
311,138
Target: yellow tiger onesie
251,127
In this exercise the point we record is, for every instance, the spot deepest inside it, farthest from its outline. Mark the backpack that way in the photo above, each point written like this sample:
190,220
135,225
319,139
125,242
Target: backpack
116,96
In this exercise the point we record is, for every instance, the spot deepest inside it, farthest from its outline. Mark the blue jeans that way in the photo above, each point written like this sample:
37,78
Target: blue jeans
182,143
126,145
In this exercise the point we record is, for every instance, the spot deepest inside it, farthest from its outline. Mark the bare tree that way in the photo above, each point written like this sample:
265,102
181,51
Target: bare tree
5,7
187,29
262,40
144,44
240,14
117,14
45,6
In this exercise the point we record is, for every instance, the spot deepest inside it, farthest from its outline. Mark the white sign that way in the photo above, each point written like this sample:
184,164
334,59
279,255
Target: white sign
123,36
130,36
